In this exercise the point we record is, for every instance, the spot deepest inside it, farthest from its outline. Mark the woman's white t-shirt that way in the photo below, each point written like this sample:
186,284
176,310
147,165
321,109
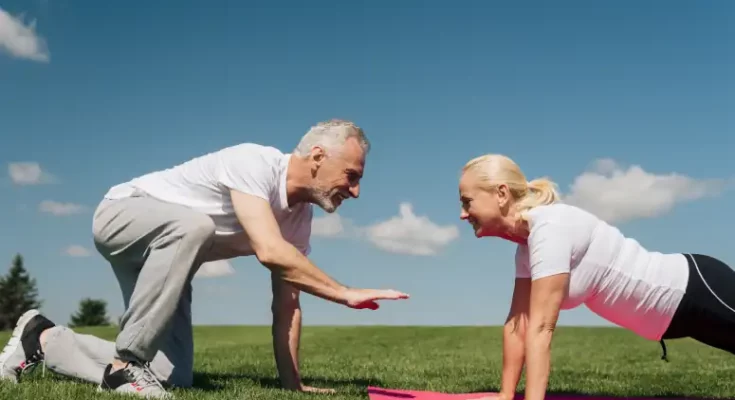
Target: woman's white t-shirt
614,276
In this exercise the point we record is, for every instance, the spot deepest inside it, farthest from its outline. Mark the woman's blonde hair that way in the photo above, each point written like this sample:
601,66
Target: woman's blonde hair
496,169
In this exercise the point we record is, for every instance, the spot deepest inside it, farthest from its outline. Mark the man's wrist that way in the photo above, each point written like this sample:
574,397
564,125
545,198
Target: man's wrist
343,294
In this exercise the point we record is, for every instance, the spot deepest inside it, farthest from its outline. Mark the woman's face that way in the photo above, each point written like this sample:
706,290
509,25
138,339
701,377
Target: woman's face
482,208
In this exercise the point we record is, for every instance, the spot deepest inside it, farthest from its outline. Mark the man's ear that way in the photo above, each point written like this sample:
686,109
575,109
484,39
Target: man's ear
318,155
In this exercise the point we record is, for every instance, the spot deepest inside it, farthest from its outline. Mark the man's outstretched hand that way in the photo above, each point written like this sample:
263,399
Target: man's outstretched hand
367,298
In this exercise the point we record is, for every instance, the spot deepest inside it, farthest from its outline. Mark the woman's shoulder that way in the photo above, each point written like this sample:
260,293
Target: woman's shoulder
559,218
560,213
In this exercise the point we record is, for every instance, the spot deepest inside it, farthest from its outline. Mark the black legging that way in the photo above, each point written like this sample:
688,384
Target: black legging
707,310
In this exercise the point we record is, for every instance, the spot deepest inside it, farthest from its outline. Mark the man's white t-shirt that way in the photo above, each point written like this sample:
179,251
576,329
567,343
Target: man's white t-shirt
204,184
614,276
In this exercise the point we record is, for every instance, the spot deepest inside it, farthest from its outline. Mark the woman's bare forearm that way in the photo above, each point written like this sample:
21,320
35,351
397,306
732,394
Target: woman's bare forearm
513,355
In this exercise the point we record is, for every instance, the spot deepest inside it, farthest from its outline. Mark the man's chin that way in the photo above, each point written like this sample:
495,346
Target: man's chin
329,208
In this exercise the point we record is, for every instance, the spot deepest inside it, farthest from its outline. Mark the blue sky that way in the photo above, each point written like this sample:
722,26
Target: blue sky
626,99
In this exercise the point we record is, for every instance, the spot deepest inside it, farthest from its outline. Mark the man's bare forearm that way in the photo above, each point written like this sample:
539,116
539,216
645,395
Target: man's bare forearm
286,333
293,267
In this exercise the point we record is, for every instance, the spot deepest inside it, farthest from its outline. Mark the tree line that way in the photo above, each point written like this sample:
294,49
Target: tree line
18,294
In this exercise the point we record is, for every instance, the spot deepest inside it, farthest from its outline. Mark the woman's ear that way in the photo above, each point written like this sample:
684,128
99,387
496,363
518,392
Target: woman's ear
502,192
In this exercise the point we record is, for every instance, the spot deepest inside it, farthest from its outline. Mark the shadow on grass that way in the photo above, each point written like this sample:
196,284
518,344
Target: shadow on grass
213,381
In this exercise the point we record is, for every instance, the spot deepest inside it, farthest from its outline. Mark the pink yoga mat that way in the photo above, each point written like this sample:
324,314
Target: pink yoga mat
377,393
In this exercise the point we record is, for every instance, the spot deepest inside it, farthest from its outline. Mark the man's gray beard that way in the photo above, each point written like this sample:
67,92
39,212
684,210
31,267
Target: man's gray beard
324,201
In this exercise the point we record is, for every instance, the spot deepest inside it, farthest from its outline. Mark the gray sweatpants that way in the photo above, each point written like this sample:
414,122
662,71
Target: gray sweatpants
154,248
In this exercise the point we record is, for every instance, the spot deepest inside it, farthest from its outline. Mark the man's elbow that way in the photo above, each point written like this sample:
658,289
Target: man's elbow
269,254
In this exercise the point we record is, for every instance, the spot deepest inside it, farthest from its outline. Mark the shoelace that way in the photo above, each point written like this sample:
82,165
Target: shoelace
143,376
31,363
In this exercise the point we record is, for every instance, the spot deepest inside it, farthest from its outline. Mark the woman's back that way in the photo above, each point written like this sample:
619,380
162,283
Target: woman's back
613,275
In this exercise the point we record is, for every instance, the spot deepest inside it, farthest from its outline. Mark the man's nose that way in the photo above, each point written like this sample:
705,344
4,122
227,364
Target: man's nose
355,191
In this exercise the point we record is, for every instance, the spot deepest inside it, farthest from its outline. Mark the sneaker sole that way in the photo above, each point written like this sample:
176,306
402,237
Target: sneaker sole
19,327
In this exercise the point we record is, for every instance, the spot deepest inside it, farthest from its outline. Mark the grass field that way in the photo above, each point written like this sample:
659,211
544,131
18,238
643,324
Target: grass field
237,363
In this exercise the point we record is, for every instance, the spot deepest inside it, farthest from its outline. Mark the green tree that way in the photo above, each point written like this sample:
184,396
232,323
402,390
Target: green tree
18,294
92,312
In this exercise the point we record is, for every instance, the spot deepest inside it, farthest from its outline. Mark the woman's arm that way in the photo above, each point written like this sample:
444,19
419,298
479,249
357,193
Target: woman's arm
550,254
546,297
514,333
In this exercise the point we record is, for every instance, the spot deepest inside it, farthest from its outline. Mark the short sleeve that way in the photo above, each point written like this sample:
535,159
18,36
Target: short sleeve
550,252
248,169
522,270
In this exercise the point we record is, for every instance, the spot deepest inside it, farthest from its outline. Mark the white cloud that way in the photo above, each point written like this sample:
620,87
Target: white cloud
408,233
28,173
20,40
330,225
77,251
618,194
214,269
58,209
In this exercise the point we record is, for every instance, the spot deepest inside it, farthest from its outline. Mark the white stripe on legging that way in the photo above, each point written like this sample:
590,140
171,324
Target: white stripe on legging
705,284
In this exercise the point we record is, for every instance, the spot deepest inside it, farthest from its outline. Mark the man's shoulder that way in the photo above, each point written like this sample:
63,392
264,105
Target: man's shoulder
252,159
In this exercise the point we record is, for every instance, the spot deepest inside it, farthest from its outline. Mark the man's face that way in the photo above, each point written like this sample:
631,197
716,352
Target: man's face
337,174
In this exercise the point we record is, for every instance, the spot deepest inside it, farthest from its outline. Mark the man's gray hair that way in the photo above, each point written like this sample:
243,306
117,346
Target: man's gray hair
331,135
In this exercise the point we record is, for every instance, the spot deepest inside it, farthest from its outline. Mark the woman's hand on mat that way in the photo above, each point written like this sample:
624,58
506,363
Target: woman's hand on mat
366,298
494,396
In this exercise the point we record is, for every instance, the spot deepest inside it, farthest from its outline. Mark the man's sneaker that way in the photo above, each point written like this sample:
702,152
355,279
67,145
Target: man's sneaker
135,378
23,350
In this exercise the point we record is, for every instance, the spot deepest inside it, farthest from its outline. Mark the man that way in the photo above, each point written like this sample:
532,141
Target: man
157,230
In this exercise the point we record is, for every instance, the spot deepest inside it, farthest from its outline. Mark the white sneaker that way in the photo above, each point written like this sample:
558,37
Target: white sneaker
136,378
23,350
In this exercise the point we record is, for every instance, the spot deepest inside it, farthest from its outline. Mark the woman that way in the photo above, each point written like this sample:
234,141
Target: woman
567,257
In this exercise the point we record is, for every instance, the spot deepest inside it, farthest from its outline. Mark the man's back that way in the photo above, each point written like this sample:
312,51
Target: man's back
203,183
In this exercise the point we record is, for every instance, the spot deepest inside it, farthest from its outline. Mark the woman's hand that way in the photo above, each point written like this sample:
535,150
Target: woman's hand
495,396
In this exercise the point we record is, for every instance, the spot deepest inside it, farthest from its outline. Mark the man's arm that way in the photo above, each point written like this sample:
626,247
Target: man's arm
286,331
286,336
281,257
289,264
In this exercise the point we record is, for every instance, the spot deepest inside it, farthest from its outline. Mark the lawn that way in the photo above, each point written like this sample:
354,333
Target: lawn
237,363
